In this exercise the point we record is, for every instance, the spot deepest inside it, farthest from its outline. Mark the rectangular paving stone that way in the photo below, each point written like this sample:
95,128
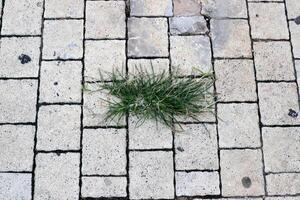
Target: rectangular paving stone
243,198
62,39
18,100
273,61
276,101
281,149
283,198
235,80
57,176
97,187
264,25
188,25
283,184
196,147
147,37
149,135
189,54
60,81
187,7
104,152
159,65
242,173
293,8
19,57
226,9
151,175
17,147
64,9
234,132
295,38
104,56
197,183
231,38
15,186
105,19
22,17
59,127
151,8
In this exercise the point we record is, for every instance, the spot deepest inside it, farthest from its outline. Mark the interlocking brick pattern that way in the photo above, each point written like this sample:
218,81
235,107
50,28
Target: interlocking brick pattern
55,144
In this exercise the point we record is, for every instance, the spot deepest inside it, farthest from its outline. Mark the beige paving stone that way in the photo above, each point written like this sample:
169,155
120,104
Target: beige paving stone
283,184
281,149
149,135
105,19
263,25
64,9
60,81
104,152
295,38
190,54
191,25
293,8
276,100
242,173
147,37
197,183
17,148
196,147
159,65
22,17
58,127
19,57
234,132
18,100
15,186
227,8
230,38
104,187
104,56
57,176
151,8
273,61
63,39
187,7
235,80
151,175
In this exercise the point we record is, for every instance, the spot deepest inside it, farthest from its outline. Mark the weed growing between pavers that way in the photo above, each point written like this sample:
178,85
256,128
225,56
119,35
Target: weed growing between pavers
161,97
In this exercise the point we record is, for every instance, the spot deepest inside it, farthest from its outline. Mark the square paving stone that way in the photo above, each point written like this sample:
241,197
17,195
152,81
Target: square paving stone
105,19
97,187
227,9
231,38
151,8
273,61
22,17
281,149
19,57
62,39
151,175
242,173
295,38
149,135
189,54
293,8
66,8
15,186
104,152
196,147
18,100
61,81
17,147
276,101
147,37
268,25
187,7
235,80
283,184
57,176
59,127
234,132
197,183
104,56
158,65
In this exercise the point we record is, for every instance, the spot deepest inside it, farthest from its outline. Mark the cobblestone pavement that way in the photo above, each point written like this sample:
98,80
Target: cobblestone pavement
54,144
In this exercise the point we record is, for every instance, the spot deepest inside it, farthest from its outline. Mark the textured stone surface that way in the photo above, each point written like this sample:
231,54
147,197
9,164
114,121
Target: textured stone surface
234,132
159,65
66,8
18,100
297,67
293,8
14,61
151,8
17,144
283,184
188,25
226,8
151,175
295,38
104,152
187,7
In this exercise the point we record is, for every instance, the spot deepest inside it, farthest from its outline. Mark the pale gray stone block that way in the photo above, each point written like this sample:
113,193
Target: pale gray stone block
295,38
159,65
225,9
283,184
293,8
64,9
151,8
188,25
